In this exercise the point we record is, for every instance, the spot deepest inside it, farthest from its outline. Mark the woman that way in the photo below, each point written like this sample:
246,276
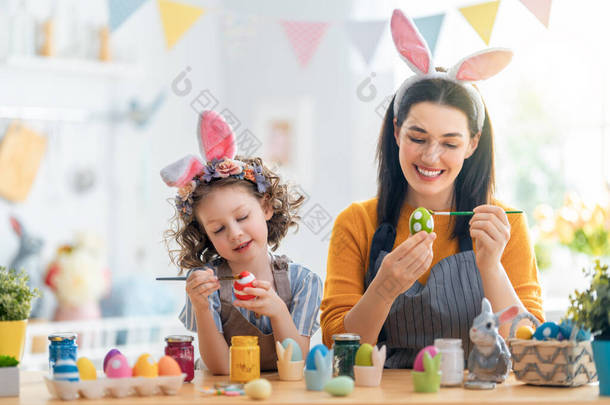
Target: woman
435,151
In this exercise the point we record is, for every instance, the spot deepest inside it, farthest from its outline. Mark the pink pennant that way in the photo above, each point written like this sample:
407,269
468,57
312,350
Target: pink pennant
540,8
410,43
216,140
481,65
304,36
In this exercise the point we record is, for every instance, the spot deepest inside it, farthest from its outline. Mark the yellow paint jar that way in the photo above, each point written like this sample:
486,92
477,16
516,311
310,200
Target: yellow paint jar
244,359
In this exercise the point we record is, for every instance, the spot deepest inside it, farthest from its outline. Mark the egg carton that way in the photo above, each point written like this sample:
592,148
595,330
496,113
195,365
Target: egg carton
114,387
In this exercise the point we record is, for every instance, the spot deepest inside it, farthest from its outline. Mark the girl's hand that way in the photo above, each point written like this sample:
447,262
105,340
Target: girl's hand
267,302
405,264
199,286
490,230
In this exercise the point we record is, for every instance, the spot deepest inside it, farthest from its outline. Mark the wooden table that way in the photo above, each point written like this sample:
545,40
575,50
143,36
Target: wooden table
396,388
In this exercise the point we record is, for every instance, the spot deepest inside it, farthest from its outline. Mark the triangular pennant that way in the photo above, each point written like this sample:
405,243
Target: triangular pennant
121,10
540,8
365,36
177,18
304,36
430,27
482,18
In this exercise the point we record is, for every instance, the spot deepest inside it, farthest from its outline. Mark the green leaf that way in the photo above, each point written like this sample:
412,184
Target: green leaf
591,308
8,361
15,295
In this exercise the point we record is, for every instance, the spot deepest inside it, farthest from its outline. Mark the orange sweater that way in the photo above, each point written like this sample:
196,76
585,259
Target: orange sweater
348,258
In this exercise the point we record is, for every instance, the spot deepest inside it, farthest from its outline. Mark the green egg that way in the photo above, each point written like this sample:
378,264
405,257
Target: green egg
364,355
340,386
421,220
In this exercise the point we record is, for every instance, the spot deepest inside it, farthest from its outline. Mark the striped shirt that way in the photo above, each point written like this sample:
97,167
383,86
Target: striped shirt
306,290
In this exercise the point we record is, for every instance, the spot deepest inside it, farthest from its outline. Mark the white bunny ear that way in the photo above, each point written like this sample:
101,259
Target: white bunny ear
481,65
486,306
216,140
182,171
410,43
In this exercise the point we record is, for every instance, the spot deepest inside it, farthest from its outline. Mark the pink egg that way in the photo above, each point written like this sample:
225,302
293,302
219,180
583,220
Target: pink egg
245,280
117,367
418,365
111,353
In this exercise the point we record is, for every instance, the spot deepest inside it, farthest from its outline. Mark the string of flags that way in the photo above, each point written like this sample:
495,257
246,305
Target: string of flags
305,36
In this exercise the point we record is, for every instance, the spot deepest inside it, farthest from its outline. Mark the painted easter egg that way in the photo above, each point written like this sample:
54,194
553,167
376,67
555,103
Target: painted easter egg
65,370
108,356
524,332
339,386
258,389
418,364
86,369
117,367
546,331
421,220
146,366
297,354
310,363
364,355
169,366
245,280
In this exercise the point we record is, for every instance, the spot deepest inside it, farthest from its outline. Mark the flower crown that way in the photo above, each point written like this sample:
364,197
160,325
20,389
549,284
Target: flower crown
217,143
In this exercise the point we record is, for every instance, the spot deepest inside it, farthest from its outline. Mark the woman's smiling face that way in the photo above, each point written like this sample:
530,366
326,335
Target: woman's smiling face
433,142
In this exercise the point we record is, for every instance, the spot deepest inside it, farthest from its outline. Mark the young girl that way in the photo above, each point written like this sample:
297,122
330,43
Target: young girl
435,151
228,211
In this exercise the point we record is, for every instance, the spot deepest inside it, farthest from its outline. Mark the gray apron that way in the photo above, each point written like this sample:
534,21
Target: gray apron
235,324
443,308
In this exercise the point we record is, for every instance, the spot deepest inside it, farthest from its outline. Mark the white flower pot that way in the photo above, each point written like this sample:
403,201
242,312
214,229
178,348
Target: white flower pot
9,382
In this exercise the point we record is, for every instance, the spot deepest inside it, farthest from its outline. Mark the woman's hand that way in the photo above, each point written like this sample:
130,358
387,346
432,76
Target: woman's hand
267,302
199,286
490,231
405,264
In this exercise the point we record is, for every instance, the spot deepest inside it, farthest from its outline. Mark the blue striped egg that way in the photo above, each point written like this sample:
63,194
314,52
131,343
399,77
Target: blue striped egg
65,370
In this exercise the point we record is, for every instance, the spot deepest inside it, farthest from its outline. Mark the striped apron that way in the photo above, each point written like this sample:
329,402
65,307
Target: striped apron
444,307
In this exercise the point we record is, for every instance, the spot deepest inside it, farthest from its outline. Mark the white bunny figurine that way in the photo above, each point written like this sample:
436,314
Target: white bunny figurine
489,361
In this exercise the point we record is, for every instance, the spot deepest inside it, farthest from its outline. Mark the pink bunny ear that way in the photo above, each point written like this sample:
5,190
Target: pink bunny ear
481,65
16,225
410,43
179,173
508,314
216,140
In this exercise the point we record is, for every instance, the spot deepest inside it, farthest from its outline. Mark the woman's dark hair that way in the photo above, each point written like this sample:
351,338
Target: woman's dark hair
474,184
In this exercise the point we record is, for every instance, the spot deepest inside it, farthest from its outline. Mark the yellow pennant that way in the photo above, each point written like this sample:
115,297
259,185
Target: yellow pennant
177,18
482,18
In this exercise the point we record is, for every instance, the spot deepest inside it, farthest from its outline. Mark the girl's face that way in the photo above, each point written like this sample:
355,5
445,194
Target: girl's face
433,142
235,221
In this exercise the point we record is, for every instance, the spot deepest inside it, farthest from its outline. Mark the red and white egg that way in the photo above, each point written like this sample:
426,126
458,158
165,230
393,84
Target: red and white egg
245,280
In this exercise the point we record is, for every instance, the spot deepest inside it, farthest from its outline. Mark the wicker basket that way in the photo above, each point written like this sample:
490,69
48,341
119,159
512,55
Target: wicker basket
566,363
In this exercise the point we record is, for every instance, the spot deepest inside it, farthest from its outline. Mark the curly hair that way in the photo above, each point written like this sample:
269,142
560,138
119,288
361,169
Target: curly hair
196,249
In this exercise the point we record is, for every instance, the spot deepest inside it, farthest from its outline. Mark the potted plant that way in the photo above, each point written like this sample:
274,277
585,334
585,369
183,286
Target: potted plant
9,377
591,310
15,305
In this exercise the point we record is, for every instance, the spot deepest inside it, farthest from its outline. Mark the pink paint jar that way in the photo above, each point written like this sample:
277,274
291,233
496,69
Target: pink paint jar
180,348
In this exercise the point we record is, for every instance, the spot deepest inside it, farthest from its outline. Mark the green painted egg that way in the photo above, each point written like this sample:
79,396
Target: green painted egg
340,386
364,355
421,220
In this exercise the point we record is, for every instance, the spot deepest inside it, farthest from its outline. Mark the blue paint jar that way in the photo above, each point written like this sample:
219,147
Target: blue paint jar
62,346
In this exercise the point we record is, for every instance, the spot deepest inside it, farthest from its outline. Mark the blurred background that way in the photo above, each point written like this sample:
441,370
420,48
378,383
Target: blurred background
97,96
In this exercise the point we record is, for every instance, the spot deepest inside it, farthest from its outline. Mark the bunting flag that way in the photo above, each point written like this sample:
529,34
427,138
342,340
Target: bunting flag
482,18
540,8
304,36
430,27
177,18
121,10
365,36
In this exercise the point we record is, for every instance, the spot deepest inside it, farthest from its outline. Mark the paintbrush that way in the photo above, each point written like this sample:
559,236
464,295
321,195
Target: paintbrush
178,278
460,213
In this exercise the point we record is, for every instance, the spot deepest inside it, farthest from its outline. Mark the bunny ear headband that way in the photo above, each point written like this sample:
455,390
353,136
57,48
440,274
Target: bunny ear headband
415,52
217,145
